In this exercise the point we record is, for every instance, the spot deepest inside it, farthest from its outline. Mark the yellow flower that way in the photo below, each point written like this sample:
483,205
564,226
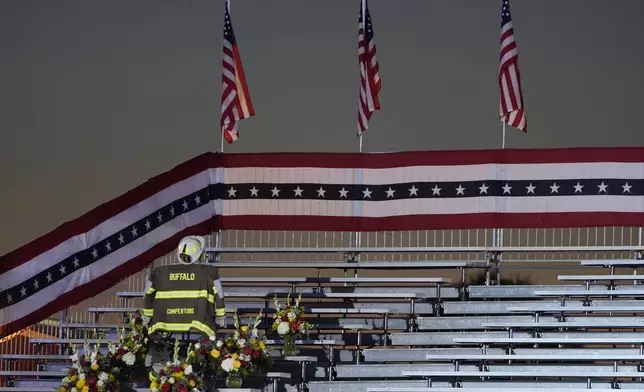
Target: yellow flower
154,385
244,328
85,388
94,366
73,378
62,389
192,383
178,375
261,345
185,365
234,356
193,354
80,384
236,364
214,353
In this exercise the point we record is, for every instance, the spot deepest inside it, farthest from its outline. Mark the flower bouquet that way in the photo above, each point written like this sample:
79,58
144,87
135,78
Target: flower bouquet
177,376
90,372
243,353
129,353
289,323
205,359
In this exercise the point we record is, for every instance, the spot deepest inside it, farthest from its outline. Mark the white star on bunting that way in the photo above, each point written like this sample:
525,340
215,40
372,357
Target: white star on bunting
530,188
602,187
413,191
578,188
390,192
232,192
343,193
627,188
366,193
321,192
254,191
276,192
483,189
460,190
298,191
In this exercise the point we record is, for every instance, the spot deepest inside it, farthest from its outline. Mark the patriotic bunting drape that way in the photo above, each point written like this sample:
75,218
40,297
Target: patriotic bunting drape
326,191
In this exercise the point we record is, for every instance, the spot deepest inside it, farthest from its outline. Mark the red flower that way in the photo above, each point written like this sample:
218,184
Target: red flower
162,372
204,340
244,335
284,318
166,387
91,382
177,369
137,337
244,363
203,351
247,350
294,325
182,388
256,354
121,351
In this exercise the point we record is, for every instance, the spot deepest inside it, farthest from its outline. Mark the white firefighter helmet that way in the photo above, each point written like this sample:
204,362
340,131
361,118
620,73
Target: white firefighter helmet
191,249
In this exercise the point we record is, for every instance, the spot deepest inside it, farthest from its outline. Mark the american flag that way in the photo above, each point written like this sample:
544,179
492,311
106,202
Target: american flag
235,97
512,111
369,76
422,190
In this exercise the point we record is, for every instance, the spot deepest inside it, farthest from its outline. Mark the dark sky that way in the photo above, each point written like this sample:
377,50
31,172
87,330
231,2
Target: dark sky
98,96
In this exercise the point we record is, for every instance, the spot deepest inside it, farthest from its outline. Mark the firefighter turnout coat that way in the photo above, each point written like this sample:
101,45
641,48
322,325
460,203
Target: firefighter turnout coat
183,298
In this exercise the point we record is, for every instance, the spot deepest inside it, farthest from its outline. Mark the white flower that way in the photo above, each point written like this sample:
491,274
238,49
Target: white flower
236,335
283,328
93,357
103,376
292,316
219,343
242,342
168,363
228,364
254,333
145,341
171,380
187,371
212,338
74,357
197,346
154,390
100,383
66,380
244,357
129,359
81,376
74,389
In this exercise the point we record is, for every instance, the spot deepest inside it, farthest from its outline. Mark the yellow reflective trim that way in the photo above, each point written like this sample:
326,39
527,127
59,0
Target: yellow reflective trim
211,298
182,327
151,290
148,312
178,294
221,312
214,289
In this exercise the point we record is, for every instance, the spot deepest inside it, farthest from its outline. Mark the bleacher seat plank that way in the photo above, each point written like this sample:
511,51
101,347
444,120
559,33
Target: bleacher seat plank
536,357
385,265
592,292
35,357
523,373
596,278
613,263
497,387
28,373
577,324
579,309
560,340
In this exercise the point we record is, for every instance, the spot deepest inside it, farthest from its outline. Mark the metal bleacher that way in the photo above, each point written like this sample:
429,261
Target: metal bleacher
433,331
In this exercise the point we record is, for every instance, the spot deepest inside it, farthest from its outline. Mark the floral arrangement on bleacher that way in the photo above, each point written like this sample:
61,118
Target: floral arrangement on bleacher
289,322
177,375
90,372
243,353
129,352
